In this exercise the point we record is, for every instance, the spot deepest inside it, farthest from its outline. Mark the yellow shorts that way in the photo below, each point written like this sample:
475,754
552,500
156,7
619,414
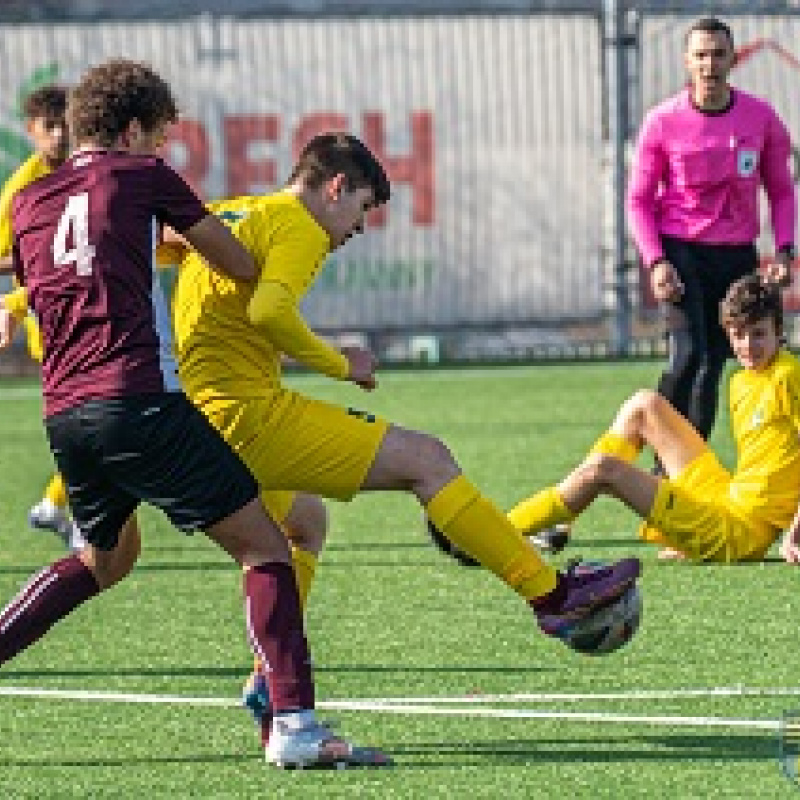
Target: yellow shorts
294,443
692,513
278,503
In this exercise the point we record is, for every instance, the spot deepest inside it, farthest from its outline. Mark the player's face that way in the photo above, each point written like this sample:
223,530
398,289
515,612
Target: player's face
754,344
343,213
49,137
709,58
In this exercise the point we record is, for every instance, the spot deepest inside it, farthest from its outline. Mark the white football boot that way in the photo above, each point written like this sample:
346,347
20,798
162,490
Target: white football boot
299,741
47,516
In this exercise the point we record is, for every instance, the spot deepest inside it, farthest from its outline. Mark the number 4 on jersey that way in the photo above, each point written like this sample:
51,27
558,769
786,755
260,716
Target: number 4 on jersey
76,219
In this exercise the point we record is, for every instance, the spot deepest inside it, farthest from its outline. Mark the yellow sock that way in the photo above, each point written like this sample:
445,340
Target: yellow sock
304,564
614,444
476,526
56,492
547,508
540,511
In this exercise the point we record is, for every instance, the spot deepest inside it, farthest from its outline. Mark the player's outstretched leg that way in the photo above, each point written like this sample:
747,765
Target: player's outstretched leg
45,599
581,592
423,465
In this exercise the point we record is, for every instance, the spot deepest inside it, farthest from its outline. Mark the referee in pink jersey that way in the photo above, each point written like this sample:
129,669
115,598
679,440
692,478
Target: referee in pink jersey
700,161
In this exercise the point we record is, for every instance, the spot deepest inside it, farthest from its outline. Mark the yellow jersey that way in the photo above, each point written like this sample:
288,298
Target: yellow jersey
29,171
765,417
221,351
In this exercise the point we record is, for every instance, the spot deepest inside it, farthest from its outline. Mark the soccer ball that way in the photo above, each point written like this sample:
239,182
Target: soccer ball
609,628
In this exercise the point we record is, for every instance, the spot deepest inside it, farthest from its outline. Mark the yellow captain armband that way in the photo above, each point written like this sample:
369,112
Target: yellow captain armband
274,310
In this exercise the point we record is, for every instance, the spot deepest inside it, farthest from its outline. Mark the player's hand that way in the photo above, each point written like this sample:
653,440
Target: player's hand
8,327
778,272
665,282
362,367
790,551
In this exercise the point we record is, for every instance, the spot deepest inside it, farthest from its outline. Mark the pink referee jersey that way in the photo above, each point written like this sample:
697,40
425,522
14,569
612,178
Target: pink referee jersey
696,175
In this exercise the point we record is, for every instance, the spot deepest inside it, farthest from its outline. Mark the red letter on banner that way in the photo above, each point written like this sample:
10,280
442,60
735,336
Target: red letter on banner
187,151
417,168
243,173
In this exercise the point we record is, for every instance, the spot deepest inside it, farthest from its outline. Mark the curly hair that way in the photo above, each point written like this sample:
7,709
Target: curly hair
49,102
748,300
113,94
330,154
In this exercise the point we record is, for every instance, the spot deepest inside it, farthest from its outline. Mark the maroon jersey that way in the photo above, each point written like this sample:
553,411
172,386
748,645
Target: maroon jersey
84,246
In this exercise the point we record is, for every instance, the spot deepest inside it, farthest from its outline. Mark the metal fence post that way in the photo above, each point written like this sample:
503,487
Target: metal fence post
616,42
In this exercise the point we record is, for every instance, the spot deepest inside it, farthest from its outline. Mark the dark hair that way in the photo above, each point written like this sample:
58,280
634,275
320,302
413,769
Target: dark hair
49,102
748,300
708,25
110,96
329,154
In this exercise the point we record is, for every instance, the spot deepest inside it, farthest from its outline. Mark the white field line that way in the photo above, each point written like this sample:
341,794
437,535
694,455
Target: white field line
416,708
567,697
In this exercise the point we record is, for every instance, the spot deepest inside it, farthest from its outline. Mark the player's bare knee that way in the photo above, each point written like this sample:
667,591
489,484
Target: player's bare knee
436,465
650,402
307,523
603,471
635,411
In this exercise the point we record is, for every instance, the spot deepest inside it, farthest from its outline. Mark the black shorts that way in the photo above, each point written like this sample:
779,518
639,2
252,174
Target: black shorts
153,448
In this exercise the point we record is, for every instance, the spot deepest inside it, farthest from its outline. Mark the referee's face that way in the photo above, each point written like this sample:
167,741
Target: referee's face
709,58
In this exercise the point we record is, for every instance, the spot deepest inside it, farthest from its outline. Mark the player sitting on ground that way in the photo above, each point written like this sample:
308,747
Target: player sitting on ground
46,126
702,511
231,337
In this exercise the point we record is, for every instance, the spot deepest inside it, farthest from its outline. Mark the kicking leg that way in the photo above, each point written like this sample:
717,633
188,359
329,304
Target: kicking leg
422,465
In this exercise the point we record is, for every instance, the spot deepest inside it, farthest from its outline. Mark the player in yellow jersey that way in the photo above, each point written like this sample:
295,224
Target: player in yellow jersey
230,339
44,112
702,511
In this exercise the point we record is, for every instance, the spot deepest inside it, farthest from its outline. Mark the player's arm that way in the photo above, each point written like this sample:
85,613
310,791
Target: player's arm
648,170
13,308
789,401
790,545
172,248
780,190
6,265
274,310
221,249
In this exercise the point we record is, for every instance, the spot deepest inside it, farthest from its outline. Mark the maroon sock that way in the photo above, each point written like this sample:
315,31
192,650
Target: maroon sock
275,629
45,599
551,602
